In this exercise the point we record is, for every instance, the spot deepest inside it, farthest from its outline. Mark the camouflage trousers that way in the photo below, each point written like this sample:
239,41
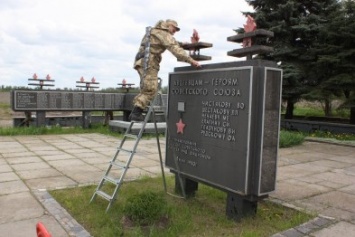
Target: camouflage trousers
149,87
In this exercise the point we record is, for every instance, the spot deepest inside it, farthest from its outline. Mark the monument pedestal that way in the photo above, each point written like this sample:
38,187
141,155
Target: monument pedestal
238,207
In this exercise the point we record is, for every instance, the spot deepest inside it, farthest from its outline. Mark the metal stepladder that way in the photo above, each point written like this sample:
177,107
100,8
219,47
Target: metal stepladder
122,167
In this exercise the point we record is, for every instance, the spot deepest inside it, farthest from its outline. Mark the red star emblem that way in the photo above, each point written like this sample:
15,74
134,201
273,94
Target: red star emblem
180,126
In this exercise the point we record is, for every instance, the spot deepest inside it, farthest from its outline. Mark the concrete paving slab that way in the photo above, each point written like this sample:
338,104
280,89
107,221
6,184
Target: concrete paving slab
21,160
140,163
10,144
91,154
11,187
55,152
339,229
329,164
348,189
66,163
107,151
335,177
293,190
326,148
86,178
17,153
41,173
54,157
76,151
306,157
96,160
340,200
309,166
19,206
42,147
339,214
84,169
30,166
288,172
9,176
346,159
5,168
68,146
50,183
8,152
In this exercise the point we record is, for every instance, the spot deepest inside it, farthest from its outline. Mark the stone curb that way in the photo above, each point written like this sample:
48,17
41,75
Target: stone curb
72,227
330,141
318,223
307,228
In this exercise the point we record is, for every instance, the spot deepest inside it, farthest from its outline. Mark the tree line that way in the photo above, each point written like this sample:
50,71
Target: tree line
314,45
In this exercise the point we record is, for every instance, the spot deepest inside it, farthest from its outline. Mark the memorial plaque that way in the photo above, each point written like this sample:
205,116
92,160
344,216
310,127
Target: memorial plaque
216,127
23,100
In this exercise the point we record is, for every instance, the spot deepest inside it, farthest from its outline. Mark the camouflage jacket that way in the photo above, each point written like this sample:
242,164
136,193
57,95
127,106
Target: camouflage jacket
161,40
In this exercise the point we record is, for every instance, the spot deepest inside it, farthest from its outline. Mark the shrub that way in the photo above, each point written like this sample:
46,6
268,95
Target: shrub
145,208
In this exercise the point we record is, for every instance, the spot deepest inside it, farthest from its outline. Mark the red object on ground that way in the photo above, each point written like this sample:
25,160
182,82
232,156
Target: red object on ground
42,231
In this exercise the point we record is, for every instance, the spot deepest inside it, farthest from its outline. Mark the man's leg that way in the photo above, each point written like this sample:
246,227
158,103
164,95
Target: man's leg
149,88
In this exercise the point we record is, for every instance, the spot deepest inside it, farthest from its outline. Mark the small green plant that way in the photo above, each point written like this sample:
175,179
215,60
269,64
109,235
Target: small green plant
289,138
146,208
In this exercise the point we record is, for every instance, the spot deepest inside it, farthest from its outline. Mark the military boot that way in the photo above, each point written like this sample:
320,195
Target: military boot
136,114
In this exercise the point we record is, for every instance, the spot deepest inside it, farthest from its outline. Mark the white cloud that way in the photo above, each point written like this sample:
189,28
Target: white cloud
99,38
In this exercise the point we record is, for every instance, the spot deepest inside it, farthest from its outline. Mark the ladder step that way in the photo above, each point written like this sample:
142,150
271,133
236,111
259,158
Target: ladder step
104,195
112,180
125,150
118,164
131,136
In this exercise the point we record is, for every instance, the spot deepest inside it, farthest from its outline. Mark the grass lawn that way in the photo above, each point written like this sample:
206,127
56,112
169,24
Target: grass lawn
202,215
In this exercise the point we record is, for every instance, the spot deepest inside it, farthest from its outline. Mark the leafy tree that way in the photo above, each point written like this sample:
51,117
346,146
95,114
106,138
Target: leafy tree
296,25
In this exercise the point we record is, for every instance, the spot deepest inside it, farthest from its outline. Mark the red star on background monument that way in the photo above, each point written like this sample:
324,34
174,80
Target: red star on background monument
180,126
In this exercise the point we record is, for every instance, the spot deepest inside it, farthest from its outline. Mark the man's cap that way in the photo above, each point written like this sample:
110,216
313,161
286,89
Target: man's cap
173,23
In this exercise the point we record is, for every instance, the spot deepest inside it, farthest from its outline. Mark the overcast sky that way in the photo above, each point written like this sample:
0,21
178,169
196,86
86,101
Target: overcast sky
70,39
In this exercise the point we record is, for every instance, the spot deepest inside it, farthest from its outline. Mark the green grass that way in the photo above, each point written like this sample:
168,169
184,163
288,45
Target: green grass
33,130
289,138
319,112
4,106
308,112
203,215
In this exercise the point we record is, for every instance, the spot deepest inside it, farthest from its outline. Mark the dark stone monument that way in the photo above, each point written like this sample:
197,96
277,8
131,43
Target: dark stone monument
223,129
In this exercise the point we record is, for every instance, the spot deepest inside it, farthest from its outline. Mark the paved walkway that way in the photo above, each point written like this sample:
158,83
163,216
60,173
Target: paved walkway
317,177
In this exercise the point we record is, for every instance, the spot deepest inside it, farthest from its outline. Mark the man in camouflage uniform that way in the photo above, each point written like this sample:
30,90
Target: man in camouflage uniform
160,38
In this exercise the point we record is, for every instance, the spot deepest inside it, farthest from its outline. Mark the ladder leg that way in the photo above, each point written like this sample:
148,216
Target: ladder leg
159,150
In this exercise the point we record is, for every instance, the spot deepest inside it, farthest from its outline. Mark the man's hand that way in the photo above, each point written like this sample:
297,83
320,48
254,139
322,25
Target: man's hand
195,64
